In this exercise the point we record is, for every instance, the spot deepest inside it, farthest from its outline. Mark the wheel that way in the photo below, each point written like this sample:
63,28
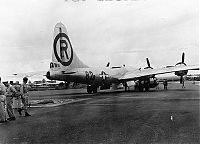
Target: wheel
126,86
89,89
141,88
94,89
147,88
147,85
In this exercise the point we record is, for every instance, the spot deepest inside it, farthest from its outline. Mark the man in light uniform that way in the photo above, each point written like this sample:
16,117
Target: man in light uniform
10,94
24,92
2,103
18,100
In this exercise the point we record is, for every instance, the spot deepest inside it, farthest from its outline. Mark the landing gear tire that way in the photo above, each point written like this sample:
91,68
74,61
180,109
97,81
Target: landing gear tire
147,88
141,88
94,89
89,89
125,86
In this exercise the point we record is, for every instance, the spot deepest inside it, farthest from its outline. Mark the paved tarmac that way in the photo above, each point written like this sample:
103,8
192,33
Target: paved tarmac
109,117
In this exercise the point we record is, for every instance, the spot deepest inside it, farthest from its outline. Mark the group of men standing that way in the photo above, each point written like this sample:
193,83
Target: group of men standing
7,93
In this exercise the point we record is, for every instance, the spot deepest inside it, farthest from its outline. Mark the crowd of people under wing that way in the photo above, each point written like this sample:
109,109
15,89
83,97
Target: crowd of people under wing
8,92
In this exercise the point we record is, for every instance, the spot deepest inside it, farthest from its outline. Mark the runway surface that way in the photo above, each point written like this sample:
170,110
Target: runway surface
110,117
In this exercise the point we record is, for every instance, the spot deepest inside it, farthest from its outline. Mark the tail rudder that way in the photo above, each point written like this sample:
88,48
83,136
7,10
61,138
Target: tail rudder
63,52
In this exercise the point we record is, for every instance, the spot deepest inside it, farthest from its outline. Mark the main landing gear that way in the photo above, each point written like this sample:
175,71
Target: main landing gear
91,89
125,86
143,85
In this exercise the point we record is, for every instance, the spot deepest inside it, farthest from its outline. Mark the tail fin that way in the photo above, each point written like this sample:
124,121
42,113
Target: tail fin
63,52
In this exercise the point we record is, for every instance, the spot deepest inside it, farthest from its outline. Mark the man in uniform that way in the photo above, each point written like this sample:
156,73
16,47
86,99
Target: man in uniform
165,83
10,93
183,83
24,92
2,103
18,98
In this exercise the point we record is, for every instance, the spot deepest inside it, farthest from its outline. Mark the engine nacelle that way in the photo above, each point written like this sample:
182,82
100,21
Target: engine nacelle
181,73
182,63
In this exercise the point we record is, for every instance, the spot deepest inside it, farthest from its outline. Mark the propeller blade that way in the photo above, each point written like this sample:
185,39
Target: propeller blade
183,57
148,63
108,64
181,79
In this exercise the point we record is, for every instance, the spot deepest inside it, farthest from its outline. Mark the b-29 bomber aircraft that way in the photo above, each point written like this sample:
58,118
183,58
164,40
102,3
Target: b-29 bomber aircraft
66,66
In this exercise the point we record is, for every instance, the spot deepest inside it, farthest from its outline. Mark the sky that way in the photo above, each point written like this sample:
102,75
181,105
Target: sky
115,31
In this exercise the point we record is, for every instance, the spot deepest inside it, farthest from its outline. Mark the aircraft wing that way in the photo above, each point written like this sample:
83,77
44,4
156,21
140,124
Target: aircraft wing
134,75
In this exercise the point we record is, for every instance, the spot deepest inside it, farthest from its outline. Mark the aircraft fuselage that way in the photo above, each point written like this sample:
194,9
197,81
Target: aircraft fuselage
90,76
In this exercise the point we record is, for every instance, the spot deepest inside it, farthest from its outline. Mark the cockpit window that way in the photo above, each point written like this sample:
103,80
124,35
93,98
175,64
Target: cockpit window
54,65
51,65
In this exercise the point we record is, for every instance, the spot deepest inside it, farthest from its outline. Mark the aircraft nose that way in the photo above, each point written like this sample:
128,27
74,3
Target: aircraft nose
48,75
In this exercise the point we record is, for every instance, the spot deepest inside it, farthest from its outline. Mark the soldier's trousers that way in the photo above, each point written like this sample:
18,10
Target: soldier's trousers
25,102
2,108
10,111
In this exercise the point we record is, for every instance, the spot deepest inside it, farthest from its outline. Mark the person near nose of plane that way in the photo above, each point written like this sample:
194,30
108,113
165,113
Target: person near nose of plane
25,95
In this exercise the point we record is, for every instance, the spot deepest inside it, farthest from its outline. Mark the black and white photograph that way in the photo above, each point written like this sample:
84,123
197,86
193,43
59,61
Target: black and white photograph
99,72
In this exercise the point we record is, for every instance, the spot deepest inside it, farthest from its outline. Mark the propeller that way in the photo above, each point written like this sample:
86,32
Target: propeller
108,64
181,73
148,64
183,59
